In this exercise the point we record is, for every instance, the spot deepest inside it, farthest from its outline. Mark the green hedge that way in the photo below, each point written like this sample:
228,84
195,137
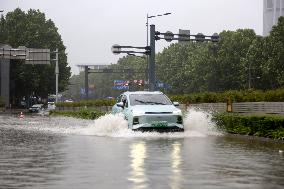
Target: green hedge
235,96
83,114
206,97
88,103
258,125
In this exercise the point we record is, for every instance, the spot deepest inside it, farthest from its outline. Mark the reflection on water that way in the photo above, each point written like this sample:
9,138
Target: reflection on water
51,153
29,159
138,155
176,165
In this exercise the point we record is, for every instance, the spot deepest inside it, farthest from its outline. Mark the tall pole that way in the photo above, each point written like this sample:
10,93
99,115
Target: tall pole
149,70
152,77
147,24
56,75
147,56
86,82
249,75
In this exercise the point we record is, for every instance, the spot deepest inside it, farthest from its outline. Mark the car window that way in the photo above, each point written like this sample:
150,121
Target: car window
149,99
118,99
36,106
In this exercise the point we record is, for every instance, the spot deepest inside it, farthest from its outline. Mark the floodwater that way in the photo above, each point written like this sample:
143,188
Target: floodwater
43,152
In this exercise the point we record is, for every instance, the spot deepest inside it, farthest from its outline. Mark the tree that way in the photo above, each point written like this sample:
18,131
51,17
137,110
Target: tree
215,67
33,30
274,54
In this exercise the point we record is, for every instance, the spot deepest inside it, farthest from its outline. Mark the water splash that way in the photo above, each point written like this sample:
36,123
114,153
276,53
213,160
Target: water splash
108,125
197,124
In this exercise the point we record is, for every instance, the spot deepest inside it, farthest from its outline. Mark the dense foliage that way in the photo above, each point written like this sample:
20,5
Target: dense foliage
31,29
206,97
235,96
82,114
263,126
206,67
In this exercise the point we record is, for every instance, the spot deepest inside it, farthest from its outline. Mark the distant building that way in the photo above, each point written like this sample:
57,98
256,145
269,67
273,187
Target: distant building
272,10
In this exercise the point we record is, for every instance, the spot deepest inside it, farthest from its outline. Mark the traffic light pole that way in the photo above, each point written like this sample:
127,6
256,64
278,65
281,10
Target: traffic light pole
86,82
152,77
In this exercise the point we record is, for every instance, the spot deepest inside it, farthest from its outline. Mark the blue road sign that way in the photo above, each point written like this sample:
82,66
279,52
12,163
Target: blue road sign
120,87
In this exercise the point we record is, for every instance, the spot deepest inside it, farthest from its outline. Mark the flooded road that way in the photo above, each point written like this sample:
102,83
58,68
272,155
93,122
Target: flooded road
43,152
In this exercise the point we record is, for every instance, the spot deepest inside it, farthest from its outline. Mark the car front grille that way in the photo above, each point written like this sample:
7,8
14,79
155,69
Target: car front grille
153,118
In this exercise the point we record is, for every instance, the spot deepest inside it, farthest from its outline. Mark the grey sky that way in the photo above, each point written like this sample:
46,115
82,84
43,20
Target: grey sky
90,27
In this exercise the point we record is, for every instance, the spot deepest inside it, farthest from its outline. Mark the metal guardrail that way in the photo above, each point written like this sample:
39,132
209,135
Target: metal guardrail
244,107
259,107
240,107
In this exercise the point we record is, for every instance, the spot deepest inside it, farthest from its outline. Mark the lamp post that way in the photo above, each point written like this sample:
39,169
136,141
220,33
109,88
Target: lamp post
250,78
150,50
56,74
147,41
147,23
249,83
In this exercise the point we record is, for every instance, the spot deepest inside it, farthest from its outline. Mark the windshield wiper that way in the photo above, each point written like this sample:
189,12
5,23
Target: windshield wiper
158,103
150,102
141,101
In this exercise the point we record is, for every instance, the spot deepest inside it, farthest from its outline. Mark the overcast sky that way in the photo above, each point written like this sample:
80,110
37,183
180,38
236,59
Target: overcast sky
90,27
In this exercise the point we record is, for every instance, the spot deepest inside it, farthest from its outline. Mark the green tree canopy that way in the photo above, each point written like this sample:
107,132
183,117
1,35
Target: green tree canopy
213,67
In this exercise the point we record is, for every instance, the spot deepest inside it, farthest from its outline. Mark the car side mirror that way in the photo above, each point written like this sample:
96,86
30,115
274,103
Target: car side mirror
175,103
120,104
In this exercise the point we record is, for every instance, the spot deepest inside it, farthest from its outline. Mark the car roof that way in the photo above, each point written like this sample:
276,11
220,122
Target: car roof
142,92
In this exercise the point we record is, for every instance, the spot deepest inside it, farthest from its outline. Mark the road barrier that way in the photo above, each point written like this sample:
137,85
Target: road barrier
243,107
238,107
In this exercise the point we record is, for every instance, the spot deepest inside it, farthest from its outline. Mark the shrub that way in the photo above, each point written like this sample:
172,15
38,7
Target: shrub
82,114
235,96
257,125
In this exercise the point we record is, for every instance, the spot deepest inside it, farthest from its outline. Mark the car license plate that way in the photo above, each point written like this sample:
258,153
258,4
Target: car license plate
159,124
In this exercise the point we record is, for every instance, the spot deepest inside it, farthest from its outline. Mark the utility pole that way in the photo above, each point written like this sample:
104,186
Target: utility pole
56,75
86,82
152,78
249,82
147,43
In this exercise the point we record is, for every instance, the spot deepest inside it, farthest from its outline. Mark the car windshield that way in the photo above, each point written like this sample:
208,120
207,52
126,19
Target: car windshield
149,99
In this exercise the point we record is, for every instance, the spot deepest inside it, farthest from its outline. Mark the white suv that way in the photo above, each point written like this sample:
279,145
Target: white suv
149,111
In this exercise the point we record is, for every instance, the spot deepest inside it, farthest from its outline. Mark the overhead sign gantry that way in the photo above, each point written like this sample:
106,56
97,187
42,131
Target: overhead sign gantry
28,55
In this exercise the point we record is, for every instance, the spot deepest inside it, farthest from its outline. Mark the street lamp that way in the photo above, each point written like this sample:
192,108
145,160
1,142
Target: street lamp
147,23
150,50
147,44
250,78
